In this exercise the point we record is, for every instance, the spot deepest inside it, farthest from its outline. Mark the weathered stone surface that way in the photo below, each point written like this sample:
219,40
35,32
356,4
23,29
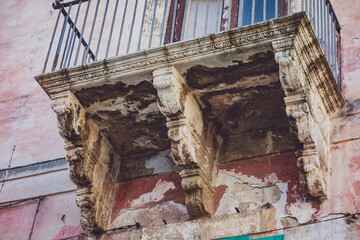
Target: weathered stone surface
312,97
194,143
258,220
93,164
255,143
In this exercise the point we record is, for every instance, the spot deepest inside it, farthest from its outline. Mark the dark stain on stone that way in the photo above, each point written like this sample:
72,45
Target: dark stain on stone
200,77
134,166
131,93
131,137
254,108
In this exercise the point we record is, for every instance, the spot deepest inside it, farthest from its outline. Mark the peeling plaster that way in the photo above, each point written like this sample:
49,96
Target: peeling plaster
156,195
246,192
152,216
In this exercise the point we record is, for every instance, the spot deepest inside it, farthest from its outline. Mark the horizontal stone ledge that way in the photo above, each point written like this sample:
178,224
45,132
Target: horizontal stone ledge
49,183
243,223
13,173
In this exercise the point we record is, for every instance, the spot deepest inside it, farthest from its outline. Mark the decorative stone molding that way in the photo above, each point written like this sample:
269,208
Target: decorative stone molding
194,142
153,59
312,96
93,163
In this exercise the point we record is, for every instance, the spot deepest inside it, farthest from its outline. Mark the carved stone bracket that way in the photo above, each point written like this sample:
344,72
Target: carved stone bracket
194,143
308,108
92,161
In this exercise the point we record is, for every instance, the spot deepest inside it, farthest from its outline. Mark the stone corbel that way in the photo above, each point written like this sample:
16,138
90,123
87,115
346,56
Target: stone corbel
91,161
194,143
308,132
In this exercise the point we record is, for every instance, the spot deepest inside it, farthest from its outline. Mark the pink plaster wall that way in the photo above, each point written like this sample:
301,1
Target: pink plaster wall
149,200
58,217
26,117
347,12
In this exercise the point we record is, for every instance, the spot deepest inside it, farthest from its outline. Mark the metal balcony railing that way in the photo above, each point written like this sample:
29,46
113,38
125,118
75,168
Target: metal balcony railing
327,30
91,30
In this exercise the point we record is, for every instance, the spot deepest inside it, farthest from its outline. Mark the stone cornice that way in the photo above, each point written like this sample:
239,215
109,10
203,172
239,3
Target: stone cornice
314,64
149,60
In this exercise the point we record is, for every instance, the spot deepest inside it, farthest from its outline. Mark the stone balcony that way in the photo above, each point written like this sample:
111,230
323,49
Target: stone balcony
260,89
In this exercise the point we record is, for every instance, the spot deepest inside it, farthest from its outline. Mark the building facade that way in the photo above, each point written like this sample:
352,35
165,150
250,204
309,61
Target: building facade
180,119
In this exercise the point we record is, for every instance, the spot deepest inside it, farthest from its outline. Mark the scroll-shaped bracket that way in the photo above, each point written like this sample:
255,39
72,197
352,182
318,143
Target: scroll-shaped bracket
91,161
194,142
304,112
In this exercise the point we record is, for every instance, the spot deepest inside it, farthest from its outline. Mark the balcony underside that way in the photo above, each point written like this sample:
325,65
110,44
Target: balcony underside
237,94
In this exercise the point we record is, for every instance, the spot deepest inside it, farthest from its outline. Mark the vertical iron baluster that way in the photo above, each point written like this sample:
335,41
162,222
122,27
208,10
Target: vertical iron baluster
277,8
71,46
111,29
91,33
152,24
306,7
101,30
310,11
73,42
335,44
121,28
218,15
61,39
322,24
142,25
206,16
65,47
163,23
52,40
82,33
132,26
328,31
173,22
317,19
229,16
314,15
341,76
195,19
288,8
332,44
184,20
253,11
240,14
325,33
264,11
